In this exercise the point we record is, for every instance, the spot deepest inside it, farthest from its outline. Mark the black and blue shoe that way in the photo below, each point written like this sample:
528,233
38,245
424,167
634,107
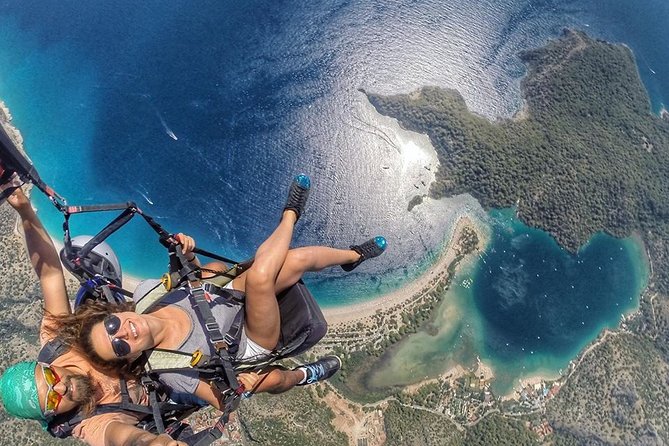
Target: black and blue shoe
371,248
298,194
320,370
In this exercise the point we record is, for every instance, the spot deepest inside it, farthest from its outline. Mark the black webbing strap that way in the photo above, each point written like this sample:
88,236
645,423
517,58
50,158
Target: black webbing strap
62,425
210,325
52,350
230,376
72,209
216,431
150,386
14,159
108,230
128,405
213,332
213,256
234,332
125,395
226,293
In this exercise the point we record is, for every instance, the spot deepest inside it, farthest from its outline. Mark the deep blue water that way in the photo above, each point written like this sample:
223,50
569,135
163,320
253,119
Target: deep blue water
539,298
539,305
255,92
525,307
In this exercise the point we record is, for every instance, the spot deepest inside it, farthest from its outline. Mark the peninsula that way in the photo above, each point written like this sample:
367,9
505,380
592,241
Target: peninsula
583,155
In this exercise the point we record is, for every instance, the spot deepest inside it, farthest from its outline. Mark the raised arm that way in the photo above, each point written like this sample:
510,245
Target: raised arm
43,256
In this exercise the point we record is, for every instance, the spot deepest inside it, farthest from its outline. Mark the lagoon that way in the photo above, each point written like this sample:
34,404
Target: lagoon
525,306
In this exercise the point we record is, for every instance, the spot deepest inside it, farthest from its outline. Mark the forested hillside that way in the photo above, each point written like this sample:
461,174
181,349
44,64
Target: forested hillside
584,155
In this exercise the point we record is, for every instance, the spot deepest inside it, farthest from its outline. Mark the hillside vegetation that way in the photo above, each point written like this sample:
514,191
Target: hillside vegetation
584,155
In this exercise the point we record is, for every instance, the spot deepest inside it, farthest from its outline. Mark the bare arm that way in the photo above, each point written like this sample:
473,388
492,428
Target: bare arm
43,256
187,245
275,380
121,434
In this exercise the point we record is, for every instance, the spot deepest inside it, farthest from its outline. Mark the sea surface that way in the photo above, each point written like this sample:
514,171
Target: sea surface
201,112
524,307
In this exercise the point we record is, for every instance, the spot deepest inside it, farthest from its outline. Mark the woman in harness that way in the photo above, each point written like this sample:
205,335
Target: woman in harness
112,338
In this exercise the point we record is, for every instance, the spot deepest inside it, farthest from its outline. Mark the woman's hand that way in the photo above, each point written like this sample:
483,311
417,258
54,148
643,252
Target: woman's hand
248,379
187,243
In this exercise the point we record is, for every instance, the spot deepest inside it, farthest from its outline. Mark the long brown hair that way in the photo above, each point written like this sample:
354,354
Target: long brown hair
76,329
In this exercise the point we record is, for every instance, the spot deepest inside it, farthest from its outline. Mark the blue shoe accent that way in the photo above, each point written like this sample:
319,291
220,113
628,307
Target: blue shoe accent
303,181
371,248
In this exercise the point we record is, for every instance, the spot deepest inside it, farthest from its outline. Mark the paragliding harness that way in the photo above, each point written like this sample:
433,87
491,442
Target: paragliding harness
302,322
302,326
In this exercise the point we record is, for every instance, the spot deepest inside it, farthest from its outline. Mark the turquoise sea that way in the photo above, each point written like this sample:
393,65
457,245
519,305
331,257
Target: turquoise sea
202,111
525,306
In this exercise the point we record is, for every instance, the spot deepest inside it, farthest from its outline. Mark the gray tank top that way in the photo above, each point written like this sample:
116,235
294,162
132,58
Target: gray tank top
224,309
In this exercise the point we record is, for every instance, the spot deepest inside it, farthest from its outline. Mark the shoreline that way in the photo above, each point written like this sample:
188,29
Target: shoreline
391,301
351,313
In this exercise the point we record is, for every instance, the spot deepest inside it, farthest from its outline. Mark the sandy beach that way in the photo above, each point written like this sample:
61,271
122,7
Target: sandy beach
355,312
349,312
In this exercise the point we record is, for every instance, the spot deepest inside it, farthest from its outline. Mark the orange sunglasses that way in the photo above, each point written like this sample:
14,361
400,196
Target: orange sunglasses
53,398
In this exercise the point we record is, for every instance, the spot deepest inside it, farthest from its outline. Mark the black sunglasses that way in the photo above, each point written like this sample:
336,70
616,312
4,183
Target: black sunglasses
112,324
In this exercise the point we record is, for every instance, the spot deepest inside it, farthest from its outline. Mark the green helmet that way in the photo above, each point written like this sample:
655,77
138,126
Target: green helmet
18,391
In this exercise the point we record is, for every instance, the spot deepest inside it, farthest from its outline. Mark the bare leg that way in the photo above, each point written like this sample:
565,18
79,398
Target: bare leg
277,380
311,258
263,322
300,260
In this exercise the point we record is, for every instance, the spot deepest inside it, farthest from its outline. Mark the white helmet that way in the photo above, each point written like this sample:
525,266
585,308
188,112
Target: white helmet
101,260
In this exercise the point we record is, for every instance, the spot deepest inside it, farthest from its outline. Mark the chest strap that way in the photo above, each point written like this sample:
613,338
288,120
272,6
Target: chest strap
52,350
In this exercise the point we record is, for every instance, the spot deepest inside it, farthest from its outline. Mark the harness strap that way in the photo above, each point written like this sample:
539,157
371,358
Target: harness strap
222,279
52,350
127,405
61,426
213,332
150,386
151,299
112,227
125,395
211,328
231,403
159,360
229,293
172,361
15,159
234,332
230,377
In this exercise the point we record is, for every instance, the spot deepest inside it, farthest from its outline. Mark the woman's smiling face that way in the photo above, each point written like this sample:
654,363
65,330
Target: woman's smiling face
121,335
